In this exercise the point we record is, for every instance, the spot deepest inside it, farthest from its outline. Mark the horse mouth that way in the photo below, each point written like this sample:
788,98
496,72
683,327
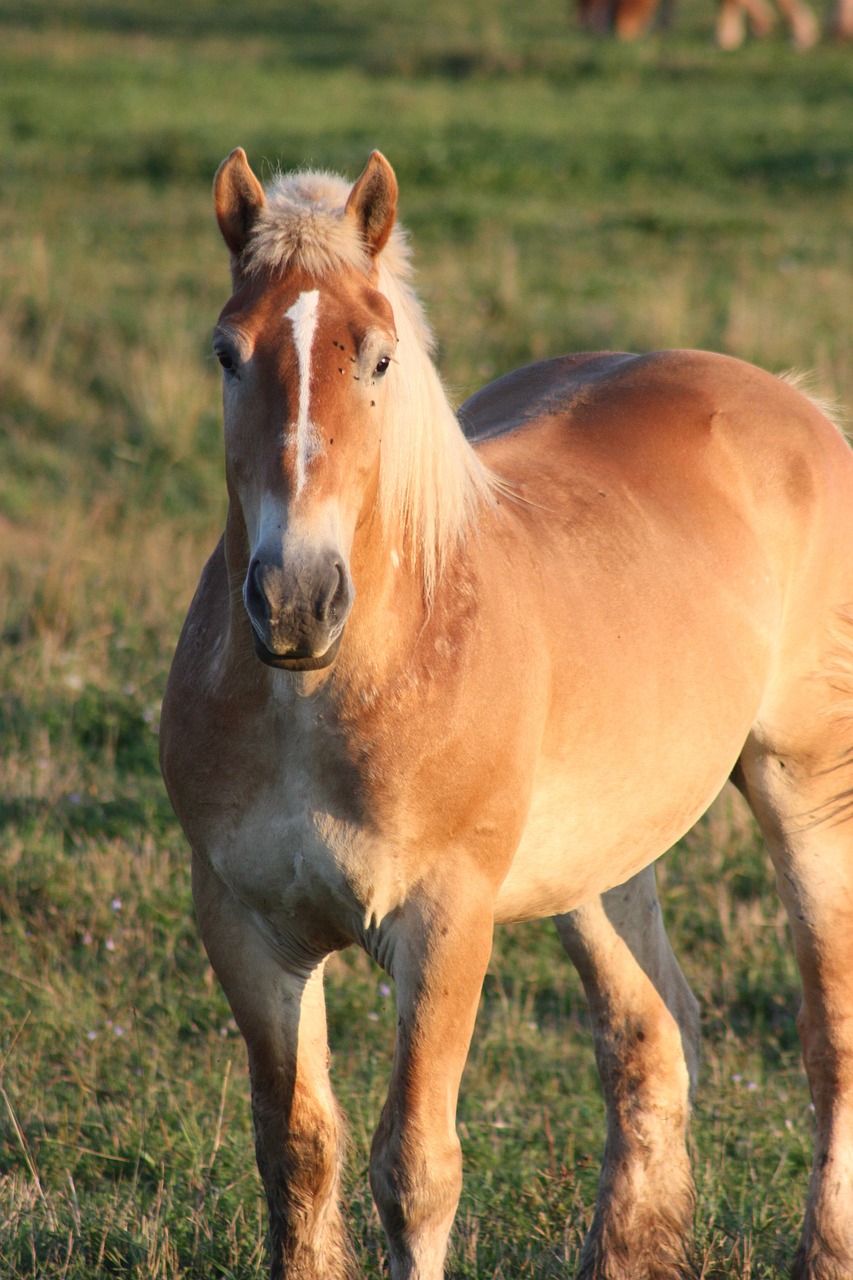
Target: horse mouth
293,660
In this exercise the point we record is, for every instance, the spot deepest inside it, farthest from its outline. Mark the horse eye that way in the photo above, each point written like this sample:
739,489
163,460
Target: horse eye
381,367
226,361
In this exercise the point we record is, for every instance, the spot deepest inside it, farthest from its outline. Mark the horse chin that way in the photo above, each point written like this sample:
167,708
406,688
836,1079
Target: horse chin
296,661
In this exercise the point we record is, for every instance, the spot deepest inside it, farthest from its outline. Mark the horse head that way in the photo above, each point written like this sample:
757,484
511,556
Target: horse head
305,344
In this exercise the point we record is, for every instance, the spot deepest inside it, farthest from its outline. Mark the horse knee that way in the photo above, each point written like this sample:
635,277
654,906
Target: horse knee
300,1158
647,1085
416,1186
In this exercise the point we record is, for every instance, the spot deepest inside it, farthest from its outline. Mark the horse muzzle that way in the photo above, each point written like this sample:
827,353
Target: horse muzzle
298,610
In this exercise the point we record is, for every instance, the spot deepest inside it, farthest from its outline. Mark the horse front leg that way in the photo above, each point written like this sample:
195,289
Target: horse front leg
645,1025
439,955
280,1009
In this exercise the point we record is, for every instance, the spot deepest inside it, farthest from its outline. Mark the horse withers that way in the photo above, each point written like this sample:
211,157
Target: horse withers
437,679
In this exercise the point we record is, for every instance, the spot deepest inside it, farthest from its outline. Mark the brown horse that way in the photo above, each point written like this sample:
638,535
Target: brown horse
435,680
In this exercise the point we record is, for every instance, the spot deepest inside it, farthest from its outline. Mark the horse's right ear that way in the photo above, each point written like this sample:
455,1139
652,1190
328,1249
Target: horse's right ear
238,198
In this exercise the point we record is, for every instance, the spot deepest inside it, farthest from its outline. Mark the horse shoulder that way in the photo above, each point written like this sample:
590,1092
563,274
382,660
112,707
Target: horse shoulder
204,690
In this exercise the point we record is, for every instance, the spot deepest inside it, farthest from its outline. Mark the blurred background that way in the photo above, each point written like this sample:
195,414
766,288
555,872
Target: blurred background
565,191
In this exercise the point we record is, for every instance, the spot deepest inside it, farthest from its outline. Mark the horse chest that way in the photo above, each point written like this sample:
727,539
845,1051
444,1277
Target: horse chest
286,836
269,854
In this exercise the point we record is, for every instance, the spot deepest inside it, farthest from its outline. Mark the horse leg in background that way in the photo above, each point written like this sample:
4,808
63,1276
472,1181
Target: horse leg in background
803,800
645,1024
732,16
804,26
841,22
282,1015
438,959
595,16
731,21
627,19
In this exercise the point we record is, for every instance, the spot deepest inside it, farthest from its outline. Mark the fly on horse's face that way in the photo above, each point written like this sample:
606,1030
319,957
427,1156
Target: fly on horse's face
304,361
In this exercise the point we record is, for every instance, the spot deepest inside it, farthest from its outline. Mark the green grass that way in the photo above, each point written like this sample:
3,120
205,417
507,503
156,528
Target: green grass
563,194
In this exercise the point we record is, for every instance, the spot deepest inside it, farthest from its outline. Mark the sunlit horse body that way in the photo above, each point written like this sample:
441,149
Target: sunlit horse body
427,685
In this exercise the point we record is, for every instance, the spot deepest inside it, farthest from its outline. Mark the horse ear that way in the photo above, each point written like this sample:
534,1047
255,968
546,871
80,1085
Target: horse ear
372,203
238,198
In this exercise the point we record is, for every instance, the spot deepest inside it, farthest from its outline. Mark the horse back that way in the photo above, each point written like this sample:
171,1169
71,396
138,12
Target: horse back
682,426
534,391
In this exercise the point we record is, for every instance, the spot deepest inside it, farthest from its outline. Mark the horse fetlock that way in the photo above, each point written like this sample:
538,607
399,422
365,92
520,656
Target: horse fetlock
296,1258
410,1200
307,1242
826,1249
643,1223
814,1261
640,1244
594,1266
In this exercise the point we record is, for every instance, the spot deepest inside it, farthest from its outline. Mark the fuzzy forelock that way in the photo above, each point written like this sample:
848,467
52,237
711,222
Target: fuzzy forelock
302,226
431,482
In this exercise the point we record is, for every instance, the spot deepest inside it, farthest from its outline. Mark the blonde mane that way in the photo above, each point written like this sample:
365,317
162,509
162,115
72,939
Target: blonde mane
803,380
431,482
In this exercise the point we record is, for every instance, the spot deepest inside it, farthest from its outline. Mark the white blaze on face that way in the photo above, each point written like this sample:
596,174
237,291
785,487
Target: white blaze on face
303,317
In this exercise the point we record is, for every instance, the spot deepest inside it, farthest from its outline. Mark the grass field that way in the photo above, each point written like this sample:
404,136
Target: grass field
563,194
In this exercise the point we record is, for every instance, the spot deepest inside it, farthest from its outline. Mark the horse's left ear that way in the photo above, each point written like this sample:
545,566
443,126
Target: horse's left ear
372,203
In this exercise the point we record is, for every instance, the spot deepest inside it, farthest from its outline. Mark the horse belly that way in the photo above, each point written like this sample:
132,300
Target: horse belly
622,777
581,840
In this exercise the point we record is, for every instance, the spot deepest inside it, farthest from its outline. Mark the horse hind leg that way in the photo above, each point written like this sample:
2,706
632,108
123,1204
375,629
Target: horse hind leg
796,771
646,1031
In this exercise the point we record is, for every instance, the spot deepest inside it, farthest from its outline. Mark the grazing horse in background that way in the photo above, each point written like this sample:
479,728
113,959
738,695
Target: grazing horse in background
435,680
629,19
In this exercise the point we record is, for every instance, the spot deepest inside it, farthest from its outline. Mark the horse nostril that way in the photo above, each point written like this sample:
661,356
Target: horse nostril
335,606
253,591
